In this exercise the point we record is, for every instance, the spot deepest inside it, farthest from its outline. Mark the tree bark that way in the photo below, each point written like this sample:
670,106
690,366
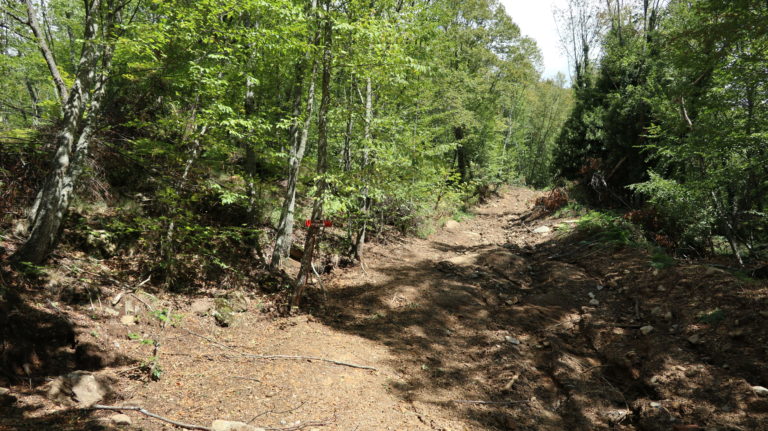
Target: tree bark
82,106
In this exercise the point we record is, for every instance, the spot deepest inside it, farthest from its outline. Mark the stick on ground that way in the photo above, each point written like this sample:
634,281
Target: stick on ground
152,415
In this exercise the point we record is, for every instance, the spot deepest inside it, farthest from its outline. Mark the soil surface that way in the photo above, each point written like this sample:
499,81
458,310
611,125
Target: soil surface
491,323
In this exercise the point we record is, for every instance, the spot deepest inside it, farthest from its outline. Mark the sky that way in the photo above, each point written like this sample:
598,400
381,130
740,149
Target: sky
536,20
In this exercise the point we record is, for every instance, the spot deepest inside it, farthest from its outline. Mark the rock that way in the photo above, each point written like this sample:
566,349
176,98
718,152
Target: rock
542,230
79,388
591,295
512,340
238,301
655,405
220,425
102,242
120,419
760,390
695,339
512,301
223,312
128,320
451,225
594,302
668,315
202,306
656,311
646,329
111,311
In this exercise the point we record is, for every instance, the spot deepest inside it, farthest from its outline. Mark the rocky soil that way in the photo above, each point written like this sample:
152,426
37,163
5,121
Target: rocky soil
492,323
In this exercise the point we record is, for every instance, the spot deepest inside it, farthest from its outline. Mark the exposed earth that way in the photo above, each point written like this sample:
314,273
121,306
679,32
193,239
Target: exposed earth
492,323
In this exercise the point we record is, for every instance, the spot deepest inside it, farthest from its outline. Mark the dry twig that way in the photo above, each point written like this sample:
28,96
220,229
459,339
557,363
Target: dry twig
152,415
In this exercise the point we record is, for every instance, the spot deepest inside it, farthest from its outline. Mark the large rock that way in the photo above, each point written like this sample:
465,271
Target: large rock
220,425
238,301
80,388
223,312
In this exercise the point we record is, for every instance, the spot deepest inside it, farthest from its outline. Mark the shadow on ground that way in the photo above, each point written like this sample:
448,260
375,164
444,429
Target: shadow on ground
567,335
37,344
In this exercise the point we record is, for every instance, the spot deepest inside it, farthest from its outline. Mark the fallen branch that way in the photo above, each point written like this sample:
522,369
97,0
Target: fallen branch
152,415
489,402
310,358
299,426
288,357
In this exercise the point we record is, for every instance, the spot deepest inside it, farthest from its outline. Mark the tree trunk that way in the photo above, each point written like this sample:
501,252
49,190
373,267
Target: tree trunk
298,147
322,167
365,206
82,106
461,155
42,44
284,236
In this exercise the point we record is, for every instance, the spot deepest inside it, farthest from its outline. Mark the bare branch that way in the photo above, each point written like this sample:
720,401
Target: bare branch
152,415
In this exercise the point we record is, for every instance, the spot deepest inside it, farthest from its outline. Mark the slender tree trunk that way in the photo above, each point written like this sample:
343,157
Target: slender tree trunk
285,226
365,207
82,106
45,50
461,155
251,168
298,137
322,167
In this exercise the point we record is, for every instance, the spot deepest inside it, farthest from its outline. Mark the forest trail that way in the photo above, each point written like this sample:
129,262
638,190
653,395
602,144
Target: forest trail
488,324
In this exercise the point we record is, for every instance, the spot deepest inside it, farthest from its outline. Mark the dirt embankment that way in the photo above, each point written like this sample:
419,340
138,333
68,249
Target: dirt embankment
490,324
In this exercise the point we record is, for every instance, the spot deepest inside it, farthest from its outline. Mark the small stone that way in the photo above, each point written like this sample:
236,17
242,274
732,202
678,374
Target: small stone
128,320
656,311
542,230
655,405
512,301
694,339
594,302
120,419
591,295
661,289
512,340
600,287
760,390
111,311
646,329
668,315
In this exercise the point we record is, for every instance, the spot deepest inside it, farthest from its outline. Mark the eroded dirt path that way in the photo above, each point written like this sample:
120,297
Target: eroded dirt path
489,324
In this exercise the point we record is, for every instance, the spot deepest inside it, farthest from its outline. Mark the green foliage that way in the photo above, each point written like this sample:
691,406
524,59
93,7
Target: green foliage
661,260
676,111
609,228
